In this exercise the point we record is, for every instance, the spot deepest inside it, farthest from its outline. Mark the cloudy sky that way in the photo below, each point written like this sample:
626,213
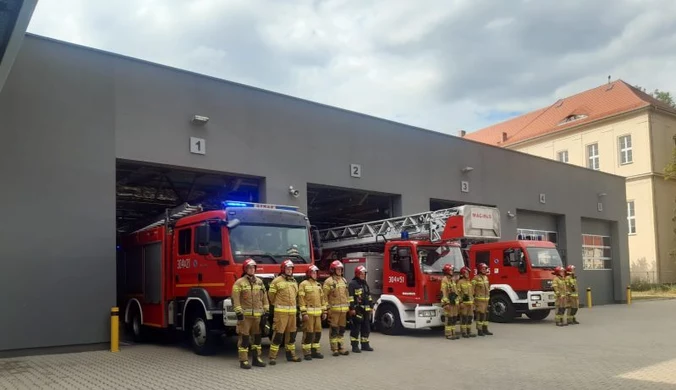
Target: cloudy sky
444,65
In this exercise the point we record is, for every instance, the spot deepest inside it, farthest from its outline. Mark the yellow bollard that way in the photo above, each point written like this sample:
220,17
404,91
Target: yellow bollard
115,329
628,295
589,298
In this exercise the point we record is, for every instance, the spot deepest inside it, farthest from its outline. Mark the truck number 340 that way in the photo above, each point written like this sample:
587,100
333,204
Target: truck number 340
183,263
396,279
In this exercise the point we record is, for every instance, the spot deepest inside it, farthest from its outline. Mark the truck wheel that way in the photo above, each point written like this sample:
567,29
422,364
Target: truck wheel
202,339
537,315
389,322
135,328
501,309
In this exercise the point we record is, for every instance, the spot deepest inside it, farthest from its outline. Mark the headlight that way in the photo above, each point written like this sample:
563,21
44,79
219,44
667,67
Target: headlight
427,313
536,297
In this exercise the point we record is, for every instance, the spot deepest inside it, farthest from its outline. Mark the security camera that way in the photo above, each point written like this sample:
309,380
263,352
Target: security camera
294,192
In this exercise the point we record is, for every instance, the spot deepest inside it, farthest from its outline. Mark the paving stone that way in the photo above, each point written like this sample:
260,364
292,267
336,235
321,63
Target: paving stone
615,347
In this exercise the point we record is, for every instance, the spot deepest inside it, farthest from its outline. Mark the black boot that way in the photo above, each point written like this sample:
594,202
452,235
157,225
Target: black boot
486,332
245,365
355,347
316,354
257,361
291,358
480,332
366,347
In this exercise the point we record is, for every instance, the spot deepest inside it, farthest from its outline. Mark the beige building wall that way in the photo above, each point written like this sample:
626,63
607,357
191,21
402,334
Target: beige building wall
652,144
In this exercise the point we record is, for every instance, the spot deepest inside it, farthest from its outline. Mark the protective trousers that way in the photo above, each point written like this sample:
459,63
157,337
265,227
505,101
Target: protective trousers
466,311
247,329
284,330
312,333
482,316
361,325
451,314
573,304
560,307
337,322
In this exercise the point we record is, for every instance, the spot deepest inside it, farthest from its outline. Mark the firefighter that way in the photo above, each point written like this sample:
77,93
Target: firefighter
449,301
313,310
284,297
361,303
482,294
251,307
337,297
560,291
466,303
573,301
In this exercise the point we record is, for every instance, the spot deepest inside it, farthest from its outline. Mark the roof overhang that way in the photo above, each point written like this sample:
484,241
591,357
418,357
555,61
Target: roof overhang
14,18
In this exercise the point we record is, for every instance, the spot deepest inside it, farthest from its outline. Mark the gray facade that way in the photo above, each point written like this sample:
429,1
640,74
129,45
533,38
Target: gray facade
67,113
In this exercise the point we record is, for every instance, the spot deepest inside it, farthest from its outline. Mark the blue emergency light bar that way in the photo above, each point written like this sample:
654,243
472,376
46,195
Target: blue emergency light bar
230,203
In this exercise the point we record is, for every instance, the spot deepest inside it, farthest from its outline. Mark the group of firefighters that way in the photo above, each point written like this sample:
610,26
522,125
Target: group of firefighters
465,299
336,300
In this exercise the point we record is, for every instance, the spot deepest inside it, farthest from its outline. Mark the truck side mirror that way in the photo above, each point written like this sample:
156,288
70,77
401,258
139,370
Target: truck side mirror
233,224
316,242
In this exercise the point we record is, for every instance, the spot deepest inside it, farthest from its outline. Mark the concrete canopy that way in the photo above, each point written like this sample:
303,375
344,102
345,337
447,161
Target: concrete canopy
14,18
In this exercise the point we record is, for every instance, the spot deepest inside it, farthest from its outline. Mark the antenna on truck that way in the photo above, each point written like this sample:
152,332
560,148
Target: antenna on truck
170,215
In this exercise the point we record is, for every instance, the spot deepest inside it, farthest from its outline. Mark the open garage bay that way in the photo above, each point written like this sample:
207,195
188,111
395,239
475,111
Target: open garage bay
615,347
334,206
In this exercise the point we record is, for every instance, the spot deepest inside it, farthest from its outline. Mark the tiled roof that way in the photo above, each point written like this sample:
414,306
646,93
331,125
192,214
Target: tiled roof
597,103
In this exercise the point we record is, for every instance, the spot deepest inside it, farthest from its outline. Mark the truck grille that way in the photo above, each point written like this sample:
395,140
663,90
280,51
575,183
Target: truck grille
547,285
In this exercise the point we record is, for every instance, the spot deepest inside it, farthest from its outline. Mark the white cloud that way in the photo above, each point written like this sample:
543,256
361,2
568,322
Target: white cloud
435,64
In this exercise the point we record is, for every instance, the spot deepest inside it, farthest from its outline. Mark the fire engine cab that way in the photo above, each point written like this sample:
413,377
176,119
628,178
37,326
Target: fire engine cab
404,258
179,270
520,277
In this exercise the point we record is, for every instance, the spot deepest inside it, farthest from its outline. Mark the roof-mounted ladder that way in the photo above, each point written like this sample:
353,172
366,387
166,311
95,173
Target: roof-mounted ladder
428,225
172,215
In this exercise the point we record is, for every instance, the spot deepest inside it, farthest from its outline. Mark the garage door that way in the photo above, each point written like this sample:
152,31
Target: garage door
533,226
597,257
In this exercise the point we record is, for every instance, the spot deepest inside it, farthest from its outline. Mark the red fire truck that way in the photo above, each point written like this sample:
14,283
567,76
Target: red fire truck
520,277
179,270
405,256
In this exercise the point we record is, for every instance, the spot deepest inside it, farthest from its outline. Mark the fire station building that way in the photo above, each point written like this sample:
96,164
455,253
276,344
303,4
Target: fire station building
94,142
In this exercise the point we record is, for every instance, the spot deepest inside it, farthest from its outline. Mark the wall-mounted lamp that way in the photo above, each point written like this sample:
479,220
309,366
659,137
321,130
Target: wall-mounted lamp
601,194
510,214
294,192
467,169
199,119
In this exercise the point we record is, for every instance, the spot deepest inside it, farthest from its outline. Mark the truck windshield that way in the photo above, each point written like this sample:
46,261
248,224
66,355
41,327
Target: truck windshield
433,258
544,257
270,244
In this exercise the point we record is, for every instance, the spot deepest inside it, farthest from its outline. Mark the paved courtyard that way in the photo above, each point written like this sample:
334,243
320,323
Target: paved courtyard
615,347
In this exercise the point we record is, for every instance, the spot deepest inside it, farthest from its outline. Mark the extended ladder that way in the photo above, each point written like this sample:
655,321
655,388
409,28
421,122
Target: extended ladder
171,215
428,225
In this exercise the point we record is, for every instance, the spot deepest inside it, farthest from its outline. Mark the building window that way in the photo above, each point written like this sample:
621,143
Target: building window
593,156
626,156
596,252
538,235
631,217
563,156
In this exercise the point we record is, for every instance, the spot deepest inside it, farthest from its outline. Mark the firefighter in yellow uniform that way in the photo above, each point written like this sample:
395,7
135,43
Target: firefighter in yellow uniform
251,307
313,310
482,294
335,291
573,300
449,301
466,303
284,297
560,292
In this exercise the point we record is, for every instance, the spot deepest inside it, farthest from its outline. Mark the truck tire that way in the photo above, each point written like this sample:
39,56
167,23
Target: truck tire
388,320
537,315
200,335
135,327
501,309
